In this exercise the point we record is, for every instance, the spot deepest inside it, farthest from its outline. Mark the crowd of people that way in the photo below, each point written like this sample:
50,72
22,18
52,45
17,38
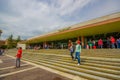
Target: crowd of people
76,48
111,42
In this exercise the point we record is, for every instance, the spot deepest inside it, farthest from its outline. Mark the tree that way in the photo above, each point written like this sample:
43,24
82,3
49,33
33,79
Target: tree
10,41
18,39
0,32
10,38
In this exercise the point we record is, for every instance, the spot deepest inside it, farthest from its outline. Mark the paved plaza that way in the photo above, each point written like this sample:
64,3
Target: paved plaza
25,72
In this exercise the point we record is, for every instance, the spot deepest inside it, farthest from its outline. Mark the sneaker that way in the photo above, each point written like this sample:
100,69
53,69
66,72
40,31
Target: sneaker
74,59
78,63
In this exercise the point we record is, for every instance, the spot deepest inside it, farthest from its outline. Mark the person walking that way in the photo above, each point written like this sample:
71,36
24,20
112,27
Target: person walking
78,51
18,57
71,48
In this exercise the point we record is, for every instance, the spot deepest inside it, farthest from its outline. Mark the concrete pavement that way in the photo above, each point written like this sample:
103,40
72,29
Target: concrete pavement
27,71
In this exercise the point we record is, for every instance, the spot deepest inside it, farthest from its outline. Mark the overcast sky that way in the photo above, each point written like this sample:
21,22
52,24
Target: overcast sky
29,18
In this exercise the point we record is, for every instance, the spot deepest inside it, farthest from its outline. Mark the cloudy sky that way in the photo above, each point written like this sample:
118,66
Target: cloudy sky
28,18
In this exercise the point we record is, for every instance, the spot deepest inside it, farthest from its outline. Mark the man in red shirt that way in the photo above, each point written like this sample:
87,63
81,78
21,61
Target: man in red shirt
18,57
112,39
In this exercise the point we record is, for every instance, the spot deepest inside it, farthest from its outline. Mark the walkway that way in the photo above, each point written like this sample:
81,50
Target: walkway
27,71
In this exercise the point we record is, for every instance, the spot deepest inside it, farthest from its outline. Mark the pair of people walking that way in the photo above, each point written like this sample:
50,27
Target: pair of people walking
77,50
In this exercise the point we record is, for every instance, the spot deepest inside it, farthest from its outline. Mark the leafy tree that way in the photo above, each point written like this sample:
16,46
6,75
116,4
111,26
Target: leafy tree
18,39
10,41
0,32
10,38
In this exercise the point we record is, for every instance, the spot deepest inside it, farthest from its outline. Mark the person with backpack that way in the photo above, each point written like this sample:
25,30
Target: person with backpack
71,49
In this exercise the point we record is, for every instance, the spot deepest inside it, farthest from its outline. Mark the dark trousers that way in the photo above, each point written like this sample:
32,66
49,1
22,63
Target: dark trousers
71,53
118,45
17,62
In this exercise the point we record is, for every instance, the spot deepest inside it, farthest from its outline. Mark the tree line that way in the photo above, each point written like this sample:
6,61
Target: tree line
10,42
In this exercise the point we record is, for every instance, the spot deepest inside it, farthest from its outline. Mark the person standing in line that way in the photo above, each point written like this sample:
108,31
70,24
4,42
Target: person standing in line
78,51
90,44
71,49
100,43
18,57
108,42
87,46
119,43
93,44
112,39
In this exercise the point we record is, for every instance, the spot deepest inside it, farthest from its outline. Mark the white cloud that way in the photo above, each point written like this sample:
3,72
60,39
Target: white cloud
29,18
70,6
105,8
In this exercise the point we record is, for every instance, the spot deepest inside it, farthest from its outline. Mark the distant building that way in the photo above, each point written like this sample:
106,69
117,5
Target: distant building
2,42
21,45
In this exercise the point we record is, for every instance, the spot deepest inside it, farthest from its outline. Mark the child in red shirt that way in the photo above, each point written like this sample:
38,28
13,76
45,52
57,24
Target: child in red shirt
18,57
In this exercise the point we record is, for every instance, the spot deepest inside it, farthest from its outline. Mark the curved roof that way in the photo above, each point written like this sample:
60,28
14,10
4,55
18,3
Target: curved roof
105,24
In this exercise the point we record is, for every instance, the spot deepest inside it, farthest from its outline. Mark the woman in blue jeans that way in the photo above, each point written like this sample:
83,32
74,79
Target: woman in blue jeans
78,51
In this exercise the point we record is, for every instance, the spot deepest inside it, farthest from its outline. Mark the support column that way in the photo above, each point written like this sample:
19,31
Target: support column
82,41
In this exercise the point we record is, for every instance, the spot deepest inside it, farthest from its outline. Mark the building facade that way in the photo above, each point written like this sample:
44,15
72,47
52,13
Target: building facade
95,29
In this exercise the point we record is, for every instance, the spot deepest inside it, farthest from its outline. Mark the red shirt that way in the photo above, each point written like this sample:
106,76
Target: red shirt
112,40
100,42
94,47
19,53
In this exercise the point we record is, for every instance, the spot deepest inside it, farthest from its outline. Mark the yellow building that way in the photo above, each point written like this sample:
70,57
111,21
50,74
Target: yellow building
102,27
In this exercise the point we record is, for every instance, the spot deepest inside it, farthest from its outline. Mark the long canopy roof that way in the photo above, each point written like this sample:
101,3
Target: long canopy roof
105,24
